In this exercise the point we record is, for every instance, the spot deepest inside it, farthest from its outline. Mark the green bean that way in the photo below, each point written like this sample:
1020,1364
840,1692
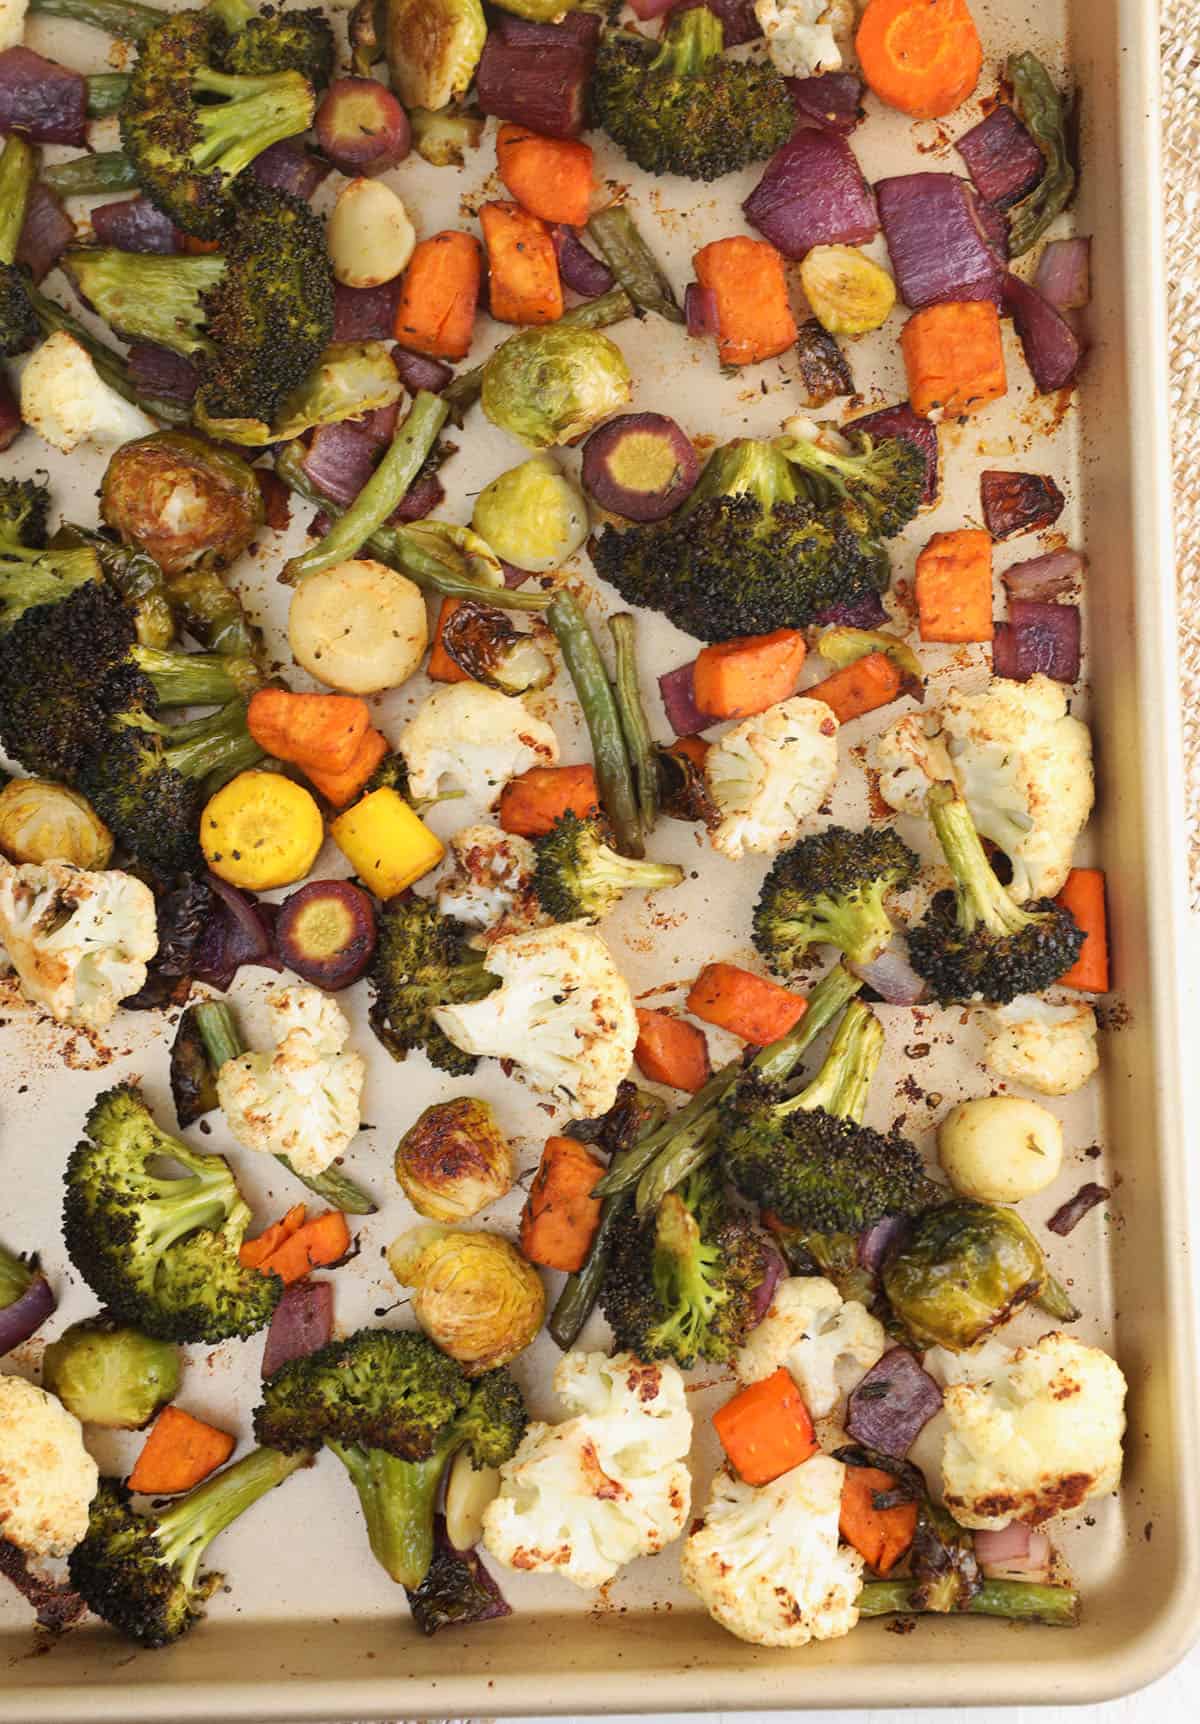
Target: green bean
85,176
610,307
670,1168
632,262
123,18
638,741
1018,1600
18,170
614,776
1040,110
105,93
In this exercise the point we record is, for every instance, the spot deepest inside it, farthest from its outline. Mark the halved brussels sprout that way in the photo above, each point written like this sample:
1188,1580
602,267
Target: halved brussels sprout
550,386
45,822
443,139
849,293
433,48
181,500
532,515
455,1160
109,1375
538,11
351,378
474,1293
843,645
443,538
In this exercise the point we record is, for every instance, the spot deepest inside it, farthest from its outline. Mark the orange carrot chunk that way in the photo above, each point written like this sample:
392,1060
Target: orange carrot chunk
441,667
322,1241
921,56
746,279
870,682
341,788
178,1453
671,1051
254,1252
745,1004
881,1536
523,280
322,730
560,1217
765,1430
550,177
439,294
530,804
737,678
1083,896
954,586
954,357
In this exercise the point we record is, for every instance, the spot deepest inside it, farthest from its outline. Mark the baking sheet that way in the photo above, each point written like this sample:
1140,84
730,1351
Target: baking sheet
310,1627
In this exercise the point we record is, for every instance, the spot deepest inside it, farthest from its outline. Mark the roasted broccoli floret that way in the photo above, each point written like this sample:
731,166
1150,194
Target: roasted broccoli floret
24,509
190,127
394,1410
829,889
682,1283
29,578
422,961
747,553
281,41
390,774
578,877
18,320
807,1158
681,107
881,481
975,943
160,1252
141,1573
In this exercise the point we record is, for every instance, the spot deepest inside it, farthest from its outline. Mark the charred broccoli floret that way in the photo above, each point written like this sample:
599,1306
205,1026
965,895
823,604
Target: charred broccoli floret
390,774
141,1573
807,1158
281,41
578,877
829,889
160,1252
18,320
975,942
681,107
881,481
682,1283
394,1410
24,512
747,553
422,961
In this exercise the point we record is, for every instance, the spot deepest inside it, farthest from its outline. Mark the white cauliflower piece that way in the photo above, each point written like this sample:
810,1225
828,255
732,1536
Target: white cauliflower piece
476,737
766,1562
978,1365
564,1014
47,1477
802,34
12,23
812,1331
489,884
769,773
585,1497
68,403
1037,1438
302,1099
78,941
1021,762
1049,1048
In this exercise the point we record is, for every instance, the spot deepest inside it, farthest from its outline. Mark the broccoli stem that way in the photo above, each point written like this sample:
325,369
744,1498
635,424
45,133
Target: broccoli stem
614,775
196,678
18,169
981,897
222,1037
110,367
398,1499
105,93
123,18
257,113
87,176
16,1277
210,744
212,613
29,578
187,1528
636,268
632,714
843,1083
689,43
1018,1600
147,297
381,494
611,307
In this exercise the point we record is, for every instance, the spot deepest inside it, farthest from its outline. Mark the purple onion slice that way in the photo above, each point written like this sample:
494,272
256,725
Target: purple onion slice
1064,274
581,270
1046,578
937,241
832,100
1038,638
812,193
1015,503
1002,159
25,1316
1051,346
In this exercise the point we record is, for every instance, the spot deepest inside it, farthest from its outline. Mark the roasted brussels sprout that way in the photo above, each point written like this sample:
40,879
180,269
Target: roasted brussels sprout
443,139
551,386
532,515
455,1160
474,1293
110,1375
181,500
433,48
962,1271
45,822
482,641
538,11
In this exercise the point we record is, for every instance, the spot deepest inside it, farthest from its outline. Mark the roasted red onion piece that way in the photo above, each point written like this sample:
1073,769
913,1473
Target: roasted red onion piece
340,460
1064,274
47,232
46,101
1046,578
325,932
25,1316
238,931
879,1241
303,1321
161,375
832,100
1013,1552
581,271
135,224
365,313
738,16
1038,638
416,371
700,309
640,465
379,424
422,498
457,1591
1051,346
678,690
10,414
1067,1218
289,167
901,421
647,9
361,127
765,1291
1015,503
863,611
892,1404
1002,159
892,976
812,193
938,247
823,368
537,74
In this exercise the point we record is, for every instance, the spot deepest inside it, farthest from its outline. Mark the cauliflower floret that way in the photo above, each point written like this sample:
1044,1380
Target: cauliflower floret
489,884
1022,763
811,1331
302,1099
12,23
67,402
769,773
802,34
47,1477
78,941
1038,1437
1049,1048
767,1563
564,1014
476,737
583,1498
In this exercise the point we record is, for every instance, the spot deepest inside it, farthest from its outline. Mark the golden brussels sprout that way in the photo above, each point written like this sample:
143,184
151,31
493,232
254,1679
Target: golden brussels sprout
539,11
849,294
433,48
455,1160
550,386
532,515
181,500
474,1294
45,822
